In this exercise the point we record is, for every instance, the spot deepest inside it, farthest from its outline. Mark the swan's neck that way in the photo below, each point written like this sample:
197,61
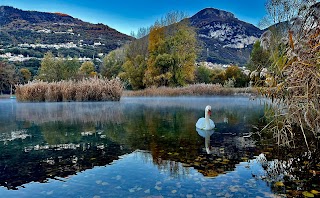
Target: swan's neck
206,121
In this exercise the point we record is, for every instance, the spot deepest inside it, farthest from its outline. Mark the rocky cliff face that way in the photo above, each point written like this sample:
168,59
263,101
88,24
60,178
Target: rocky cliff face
224,39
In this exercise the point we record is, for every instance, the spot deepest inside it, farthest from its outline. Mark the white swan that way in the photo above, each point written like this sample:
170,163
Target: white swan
206,123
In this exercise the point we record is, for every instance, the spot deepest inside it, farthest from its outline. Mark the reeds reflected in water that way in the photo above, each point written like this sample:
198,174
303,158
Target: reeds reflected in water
39,113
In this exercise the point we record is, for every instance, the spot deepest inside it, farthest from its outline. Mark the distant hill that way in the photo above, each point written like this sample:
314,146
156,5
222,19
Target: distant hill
223,38
46,29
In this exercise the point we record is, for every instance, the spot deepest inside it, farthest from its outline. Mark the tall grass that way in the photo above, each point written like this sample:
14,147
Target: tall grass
296,76
91,89
191,90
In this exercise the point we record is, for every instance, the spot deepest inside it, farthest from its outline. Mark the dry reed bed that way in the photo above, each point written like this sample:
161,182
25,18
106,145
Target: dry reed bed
91,89
191,90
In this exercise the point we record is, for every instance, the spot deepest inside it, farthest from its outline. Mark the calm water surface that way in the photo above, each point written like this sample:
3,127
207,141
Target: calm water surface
138,147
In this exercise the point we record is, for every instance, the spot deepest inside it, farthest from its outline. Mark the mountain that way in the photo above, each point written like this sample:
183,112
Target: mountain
223,38
32,29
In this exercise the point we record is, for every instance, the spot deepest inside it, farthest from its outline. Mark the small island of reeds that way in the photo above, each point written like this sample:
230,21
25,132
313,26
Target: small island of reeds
88,89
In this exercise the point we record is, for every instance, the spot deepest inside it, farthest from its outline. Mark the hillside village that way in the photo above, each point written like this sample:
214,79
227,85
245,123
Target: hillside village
218,52
223,39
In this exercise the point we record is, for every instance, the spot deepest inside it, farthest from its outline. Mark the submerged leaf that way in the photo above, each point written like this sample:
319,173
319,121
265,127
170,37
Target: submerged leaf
279,184
244,159
307,194
315,192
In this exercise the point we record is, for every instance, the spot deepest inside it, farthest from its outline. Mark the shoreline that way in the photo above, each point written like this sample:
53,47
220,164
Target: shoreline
192,90
5,96
189,90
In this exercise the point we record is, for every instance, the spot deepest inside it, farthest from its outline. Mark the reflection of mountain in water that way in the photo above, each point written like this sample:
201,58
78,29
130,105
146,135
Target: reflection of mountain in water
61,139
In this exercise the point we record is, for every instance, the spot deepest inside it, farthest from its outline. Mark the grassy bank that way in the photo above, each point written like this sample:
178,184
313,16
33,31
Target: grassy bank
92,89
191,90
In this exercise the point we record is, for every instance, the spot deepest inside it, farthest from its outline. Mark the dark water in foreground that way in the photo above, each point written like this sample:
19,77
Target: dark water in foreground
138,147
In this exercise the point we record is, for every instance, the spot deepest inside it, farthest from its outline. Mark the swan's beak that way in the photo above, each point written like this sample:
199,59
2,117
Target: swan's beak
209,112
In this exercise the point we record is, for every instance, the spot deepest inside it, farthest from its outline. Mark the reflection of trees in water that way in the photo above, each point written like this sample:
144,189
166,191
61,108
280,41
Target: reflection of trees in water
169,134
292,171
165,128
222,154
290,167
61,132
70,112
164,133
176,169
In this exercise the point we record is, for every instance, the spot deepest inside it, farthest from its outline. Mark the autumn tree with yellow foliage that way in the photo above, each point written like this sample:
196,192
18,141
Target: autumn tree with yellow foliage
87,69
172,52
135,65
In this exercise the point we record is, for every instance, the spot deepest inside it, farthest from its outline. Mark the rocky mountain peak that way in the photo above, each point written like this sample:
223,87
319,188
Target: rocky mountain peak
224,38
209,15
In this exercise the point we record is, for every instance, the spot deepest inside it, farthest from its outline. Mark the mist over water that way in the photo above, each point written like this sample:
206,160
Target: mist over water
138,147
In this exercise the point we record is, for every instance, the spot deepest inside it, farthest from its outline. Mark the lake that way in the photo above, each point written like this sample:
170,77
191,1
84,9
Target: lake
137,147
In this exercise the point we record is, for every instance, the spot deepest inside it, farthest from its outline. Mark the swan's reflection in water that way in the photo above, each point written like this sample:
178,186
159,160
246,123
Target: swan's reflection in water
206,135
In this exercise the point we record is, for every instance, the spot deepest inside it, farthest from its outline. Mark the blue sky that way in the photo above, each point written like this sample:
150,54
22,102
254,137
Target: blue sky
128,15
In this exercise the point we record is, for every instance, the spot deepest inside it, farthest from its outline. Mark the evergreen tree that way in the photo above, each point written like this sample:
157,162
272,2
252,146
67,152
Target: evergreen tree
8,77
203,74
112,63
70,68
50,69
135,65
134,72
259,58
